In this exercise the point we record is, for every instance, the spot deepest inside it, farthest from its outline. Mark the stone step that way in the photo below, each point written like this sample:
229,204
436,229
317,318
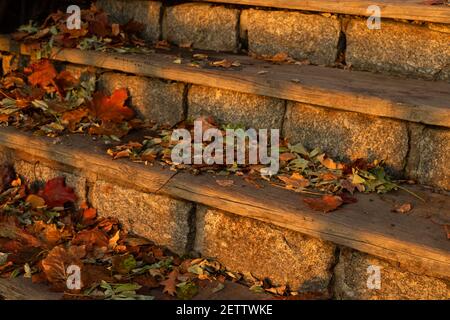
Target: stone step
401,47
348,114
186,212
396,9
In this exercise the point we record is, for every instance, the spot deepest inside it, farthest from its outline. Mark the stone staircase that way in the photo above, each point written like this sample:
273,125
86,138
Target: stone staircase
355,93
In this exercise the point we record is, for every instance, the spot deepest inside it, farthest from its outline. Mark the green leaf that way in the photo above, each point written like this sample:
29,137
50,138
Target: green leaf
186,290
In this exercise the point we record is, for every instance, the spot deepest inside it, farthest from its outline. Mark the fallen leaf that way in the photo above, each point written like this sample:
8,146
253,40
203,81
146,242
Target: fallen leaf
58,260
287,156
170,284
225,182
73,117
325,204
111,109
43,73
56,193
91,238
35,201
295,181
402,208
447,230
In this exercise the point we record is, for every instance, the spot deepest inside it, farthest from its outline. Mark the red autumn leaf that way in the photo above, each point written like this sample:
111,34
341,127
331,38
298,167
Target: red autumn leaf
325,204
111,109
56,193
43,73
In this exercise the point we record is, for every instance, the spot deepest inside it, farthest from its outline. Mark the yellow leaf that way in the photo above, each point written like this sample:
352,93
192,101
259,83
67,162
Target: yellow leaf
35,201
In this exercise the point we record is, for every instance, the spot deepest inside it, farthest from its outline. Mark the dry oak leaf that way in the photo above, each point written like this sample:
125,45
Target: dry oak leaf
111,109
325,204
295,181
170,284
56,193
43,73
58,260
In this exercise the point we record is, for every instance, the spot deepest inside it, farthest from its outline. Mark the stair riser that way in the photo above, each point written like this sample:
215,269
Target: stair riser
410,150
242,244
402,48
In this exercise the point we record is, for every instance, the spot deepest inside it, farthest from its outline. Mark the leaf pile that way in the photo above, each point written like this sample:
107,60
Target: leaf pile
43,233
96,33
301,170
50,102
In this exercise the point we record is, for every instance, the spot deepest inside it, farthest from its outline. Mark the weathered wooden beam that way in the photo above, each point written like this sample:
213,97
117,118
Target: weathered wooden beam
415,240
374,94
397,9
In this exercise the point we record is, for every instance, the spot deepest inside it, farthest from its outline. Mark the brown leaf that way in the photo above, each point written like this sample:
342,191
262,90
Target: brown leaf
325,204
225,182
170,283
58,260
287,156
73,117
88,216
447,230
66,81
9,229
91,238
403,208
49,233
295,181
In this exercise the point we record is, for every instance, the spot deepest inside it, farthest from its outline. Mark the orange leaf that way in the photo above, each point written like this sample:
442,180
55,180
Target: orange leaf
325,204
89,215
73,117
91,238
56,194
295,181
111,109
287,156
43,73
170,283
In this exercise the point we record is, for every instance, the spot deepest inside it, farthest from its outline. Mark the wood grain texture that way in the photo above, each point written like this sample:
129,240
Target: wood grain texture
374,94
397,9
24,289
86,155
417,240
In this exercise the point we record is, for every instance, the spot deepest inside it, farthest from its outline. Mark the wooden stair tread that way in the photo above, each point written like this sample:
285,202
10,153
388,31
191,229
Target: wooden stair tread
416,239
397,9
374,94
23,289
